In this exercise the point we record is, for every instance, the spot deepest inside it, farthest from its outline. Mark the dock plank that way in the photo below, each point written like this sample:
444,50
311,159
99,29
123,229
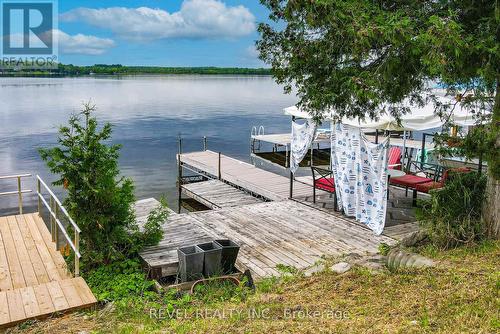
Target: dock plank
22,253
84,291
34,256
45,303
16,307
15,269
5,279
57,259
43,251
4,310
31,308
57,296
70,291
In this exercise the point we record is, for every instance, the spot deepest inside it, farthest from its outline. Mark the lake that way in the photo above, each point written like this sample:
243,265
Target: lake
147,112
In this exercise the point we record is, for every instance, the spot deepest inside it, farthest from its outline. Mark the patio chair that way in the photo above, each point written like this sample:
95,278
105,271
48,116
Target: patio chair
428,186
323,180
394,158
432,173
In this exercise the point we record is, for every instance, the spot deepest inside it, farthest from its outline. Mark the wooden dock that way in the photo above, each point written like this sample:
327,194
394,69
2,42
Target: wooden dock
34,279
269,233
251,207
239,174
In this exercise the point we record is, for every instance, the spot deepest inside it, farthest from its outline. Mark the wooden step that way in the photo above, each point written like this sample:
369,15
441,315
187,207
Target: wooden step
43,300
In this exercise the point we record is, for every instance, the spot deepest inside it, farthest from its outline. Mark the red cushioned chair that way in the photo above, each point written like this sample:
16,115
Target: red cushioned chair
323,179
426,187
394,158
431,172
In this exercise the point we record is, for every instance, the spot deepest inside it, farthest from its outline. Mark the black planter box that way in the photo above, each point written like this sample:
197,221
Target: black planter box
229,254
190,263
212,258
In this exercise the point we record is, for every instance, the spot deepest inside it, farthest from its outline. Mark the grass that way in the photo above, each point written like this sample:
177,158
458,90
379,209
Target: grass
460,295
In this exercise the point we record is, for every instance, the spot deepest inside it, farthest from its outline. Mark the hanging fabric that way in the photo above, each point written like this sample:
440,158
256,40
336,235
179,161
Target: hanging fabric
360,173
302,138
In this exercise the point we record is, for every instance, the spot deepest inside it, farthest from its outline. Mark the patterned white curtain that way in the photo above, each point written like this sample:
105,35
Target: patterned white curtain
302,138
360,173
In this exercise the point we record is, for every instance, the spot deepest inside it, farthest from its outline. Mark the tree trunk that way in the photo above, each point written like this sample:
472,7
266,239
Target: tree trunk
491,207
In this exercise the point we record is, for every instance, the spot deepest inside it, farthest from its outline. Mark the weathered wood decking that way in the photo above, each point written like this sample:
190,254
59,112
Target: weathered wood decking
276,187
278,232
215,194
269,233
34,279
243,175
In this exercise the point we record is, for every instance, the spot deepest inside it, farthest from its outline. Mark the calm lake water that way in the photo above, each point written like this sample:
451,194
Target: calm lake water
147,112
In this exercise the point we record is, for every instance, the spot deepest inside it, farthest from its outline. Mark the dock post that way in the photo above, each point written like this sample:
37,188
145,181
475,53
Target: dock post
77,259
20,195
52,223
56,231
286,155
179,176
38,192
219,172
179,143
204,143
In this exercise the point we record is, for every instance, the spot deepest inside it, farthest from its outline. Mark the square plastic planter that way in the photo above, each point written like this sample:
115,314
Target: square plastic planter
229,254
190,263
212,258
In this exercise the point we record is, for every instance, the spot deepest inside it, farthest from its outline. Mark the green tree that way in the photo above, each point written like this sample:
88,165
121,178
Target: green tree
98,198
356,56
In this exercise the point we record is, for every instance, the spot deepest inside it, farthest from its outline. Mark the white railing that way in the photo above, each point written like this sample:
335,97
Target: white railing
257,132
55,209
19,191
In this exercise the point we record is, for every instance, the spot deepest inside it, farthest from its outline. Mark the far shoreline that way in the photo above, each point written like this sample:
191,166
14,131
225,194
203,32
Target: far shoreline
120,70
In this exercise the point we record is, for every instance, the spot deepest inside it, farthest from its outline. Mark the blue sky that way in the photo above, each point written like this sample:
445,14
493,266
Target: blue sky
160,32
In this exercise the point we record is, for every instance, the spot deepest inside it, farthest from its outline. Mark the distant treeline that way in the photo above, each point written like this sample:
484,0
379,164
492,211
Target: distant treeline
117,69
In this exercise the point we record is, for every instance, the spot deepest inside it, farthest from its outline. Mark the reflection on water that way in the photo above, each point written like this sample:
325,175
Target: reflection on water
147,112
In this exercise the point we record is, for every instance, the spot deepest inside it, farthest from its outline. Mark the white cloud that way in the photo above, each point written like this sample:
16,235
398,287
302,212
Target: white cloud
82,44
70,44
196,19
251,52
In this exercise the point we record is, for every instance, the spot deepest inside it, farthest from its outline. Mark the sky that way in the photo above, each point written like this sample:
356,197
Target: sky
160,32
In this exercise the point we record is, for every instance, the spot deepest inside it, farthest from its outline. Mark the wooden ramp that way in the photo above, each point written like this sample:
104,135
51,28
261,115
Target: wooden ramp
243,175
269,233
34,279
215,194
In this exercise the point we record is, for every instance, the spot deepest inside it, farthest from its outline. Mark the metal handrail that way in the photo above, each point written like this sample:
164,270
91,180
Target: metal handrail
55,208
253,132
261,133
59,203
19,191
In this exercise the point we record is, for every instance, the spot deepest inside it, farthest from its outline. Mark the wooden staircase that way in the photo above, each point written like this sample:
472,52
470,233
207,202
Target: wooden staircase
34,279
